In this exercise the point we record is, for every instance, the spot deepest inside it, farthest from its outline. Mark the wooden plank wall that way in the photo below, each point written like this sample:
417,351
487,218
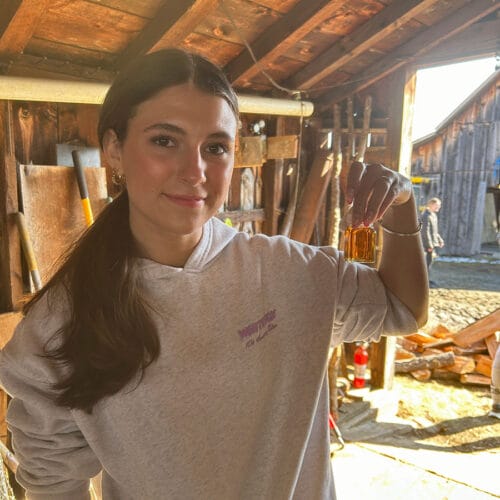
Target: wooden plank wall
463,154
467,166
29,133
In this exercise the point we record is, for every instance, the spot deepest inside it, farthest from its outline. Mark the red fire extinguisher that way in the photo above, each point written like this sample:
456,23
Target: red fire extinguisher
360,364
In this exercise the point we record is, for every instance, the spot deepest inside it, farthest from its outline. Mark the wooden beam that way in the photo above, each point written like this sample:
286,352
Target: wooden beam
484,35
443,359
280,37
11,285
47,67
273,184
398,157
409,51
363,141
479,330
281,147
333,219
382,362
10,7
474,379
170,25
19,20
250,152
349,47
312,196
187,22
399,126
255,150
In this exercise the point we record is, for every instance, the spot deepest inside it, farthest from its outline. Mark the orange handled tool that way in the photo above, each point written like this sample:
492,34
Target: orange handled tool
82,187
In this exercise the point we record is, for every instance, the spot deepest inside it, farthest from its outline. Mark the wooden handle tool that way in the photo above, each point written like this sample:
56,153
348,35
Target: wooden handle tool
8,457
82,187
28,250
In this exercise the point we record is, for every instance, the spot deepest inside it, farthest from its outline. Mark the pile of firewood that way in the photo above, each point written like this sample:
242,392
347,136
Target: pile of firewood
465,356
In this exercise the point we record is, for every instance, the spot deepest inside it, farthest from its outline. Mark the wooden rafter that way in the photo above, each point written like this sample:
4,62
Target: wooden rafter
460,48
411,50
373,31
18,23
171,24
280,37
41,67
10,8
188,22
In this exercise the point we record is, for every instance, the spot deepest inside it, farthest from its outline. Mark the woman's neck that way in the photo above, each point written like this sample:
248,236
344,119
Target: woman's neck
170,250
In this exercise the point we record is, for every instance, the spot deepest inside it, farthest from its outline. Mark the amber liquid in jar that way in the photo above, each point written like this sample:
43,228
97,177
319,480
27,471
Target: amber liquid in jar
360,244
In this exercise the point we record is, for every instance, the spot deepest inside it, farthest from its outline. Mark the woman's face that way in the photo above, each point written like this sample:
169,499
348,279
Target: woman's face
177,158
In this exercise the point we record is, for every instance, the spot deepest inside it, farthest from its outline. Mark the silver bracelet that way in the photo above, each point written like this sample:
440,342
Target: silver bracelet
402,234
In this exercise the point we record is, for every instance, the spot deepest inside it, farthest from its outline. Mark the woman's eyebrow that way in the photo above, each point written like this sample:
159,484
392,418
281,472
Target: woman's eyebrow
169,127
221,135
166,126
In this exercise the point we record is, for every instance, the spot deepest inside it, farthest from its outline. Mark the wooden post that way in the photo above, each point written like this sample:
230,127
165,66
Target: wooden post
333,369
11,285
363,141
351,141
286,226
334,215
398,157
295,181
272,176
312,196
399,126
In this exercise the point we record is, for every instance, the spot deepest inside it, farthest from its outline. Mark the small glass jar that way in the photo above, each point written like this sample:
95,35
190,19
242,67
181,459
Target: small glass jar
360,243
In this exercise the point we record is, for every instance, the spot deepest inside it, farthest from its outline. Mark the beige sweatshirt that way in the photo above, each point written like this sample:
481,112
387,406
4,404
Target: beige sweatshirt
236,406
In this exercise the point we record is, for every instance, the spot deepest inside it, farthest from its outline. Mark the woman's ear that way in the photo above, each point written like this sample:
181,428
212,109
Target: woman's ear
111,147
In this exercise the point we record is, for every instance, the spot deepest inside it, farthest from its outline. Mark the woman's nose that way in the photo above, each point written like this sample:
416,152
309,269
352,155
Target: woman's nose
193,167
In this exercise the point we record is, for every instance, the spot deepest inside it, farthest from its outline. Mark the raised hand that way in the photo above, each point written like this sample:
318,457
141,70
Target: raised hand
372,189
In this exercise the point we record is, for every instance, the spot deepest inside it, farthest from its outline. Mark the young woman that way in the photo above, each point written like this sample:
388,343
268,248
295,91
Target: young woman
184,359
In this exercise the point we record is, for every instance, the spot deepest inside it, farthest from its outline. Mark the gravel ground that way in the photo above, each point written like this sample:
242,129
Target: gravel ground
466,290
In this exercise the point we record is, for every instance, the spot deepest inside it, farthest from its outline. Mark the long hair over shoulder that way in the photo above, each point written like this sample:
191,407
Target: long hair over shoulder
110,335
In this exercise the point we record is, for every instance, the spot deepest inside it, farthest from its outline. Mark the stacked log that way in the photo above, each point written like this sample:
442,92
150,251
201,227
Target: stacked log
465,356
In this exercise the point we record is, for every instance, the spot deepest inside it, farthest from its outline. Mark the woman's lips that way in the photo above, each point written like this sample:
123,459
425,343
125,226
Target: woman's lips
186,200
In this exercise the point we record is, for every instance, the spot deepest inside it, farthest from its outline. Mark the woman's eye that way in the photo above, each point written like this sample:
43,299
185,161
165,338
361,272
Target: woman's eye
163,141
217,149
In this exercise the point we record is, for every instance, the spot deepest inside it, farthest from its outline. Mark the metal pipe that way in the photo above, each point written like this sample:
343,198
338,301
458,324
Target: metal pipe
270,106
17,88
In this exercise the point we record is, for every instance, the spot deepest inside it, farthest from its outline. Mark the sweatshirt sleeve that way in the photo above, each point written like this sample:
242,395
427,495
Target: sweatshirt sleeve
365,308
55,462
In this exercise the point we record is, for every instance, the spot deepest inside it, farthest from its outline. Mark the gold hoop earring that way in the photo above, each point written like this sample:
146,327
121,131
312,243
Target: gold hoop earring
117,179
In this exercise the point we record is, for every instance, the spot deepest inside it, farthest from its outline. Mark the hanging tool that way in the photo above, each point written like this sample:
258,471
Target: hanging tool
335,428
82,187
8,457
28,250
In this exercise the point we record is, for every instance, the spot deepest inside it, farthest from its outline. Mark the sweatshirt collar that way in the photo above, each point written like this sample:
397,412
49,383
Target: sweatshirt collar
215,237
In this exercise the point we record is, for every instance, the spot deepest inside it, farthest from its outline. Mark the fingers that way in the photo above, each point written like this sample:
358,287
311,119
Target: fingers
372,189
383,195
371,194
355,174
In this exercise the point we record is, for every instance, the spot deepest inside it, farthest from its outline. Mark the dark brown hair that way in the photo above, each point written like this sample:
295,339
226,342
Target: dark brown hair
110,335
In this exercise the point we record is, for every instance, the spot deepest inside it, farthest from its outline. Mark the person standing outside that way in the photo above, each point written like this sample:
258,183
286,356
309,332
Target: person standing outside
431,239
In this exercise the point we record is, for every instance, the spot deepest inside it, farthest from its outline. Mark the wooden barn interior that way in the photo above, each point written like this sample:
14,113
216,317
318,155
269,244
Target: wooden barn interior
320,82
